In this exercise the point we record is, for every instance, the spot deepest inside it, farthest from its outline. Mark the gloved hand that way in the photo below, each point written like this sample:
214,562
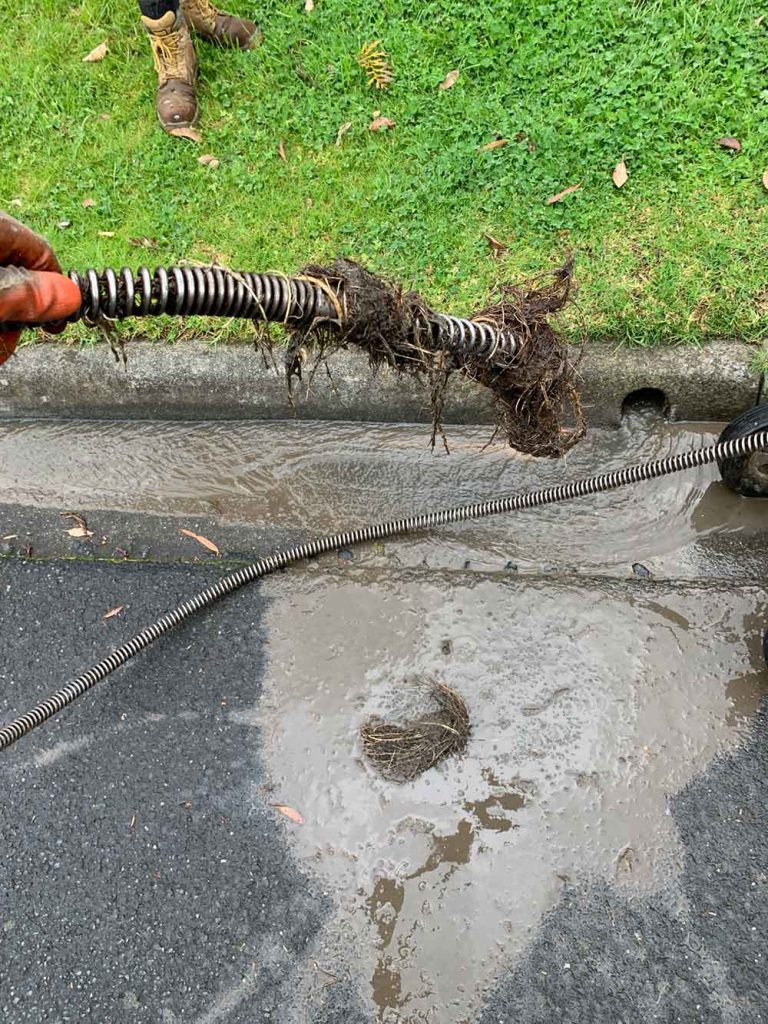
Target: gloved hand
32,287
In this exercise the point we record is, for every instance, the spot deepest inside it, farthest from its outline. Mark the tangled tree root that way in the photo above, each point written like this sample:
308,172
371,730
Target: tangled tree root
534,391
401,752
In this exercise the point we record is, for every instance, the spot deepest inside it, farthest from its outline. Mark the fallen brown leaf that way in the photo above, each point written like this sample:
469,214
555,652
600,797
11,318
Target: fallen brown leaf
76,518
562,195
450,80
496,144
281,152
208,160
765,180
620,174
191,134
88,203
97,53
143,242
289,813
79,531
728,142
378,123
201,540
343,129
497,248
113,612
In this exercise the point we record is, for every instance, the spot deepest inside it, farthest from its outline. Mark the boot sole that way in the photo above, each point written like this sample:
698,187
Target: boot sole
172,126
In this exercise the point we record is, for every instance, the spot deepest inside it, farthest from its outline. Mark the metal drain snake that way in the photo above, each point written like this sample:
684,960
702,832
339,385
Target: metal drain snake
275,298
741,446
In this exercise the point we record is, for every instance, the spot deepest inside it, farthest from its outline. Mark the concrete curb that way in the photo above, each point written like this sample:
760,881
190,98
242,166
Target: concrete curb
195,381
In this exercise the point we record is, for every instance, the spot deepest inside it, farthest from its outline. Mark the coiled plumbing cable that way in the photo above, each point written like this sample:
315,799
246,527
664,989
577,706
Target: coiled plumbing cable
742,446
296,301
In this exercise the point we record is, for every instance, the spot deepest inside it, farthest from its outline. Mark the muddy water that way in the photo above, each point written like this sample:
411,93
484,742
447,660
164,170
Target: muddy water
590,708
592,702
318,477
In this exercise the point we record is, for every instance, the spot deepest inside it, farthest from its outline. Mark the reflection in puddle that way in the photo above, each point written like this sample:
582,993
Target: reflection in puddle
451,850
494,812
745,693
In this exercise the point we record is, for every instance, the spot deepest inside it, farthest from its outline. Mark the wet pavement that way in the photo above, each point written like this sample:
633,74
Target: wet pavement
598,852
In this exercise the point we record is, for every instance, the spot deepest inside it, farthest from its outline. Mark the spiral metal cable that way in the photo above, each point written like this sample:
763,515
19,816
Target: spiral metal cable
213,291
741,446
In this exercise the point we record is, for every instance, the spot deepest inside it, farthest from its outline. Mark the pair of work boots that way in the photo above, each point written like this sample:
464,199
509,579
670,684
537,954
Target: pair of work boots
174,54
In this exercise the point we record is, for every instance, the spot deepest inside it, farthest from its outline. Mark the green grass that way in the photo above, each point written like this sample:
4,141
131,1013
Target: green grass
680,253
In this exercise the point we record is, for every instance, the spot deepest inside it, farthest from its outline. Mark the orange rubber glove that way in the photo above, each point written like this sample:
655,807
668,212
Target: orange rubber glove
32,287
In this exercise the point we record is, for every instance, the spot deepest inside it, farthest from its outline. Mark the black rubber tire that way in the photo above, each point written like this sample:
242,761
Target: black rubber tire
747,475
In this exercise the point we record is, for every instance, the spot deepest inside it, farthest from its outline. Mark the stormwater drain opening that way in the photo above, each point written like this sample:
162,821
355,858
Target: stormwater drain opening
646,400
416,740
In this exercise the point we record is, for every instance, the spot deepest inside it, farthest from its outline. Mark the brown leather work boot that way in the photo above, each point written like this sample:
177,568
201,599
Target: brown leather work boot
220,28
176,66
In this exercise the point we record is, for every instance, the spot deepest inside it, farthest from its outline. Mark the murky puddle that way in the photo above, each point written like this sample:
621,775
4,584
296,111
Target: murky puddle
592,702
589,707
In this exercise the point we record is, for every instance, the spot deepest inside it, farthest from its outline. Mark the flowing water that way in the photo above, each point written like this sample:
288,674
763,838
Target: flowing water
320,477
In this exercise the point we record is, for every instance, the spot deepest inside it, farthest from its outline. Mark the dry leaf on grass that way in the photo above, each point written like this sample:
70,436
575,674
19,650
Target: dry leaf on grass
450,80
106,234
143,242
281,152
496,144
379,123
289,813
97,53
765,180
113,612
208,160
309,6
343,129
620,174
201,540
497,248
563,194
191,134
87,203
728,142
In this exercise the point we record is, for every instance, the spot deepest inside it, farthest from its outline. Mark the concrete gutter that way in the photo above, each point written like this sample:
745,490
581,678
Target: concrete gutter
196,381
